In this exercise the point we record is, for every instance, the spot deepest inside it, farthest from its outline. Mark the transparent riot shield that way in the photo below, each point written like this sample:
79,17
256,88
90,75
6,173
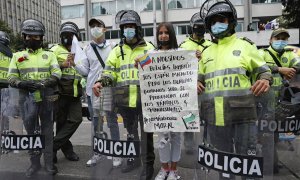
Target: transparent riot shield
286,130
118,142
237,141
26,134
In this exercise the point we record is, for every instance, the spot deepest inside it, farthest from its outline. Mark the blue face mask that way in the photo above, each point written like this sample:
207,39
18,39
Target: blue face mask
129,33
218,28
279,45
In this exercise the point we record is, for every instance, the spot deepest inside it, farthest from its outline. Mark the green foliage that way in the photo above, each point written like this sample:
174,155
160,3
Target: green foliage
16,42
292,13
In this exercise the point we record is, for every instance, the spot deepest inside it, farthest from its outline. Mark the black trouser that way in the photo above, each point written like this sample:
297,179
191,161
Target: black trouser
68,118
32,112
131,118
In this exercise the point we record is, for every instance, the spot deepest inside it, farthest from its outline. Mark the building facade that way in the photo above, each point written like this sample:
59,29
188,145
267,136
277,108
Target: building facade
14,12
178,12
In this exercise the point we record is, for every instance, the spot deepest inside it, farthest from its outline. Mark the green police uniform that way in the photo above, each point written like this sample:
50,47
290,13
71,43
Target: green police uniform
228,69
69,113
191,44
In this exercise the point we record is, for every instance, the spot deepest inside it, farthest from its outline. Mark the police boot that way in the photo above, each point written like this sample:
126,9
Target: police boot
34,167
51,169
131,164
147,172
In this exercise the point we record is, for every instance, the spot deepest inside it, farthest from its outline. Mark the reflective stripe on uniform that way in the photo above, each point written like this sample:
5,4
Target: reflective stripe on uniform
293,61
261,69
75,87
223,72
3,69
219,111
108,68
128,82
132,95
127,66
67,76
13,71
228,93
29,70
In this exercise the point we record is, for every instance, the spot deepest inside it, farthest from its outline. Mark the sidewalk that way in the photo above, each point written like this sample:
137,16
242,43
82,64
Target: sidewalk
16,164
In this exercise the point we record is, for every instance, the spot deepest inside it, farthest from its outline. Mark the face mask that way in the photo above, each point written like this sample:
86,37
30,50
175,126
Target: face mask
33,44
218,28
66,41
129,33
97,32
199,31
163,43
279,45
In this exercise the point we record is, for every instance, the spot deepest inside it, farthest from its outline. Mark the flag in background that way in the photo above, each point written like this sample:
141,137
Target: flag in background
145,60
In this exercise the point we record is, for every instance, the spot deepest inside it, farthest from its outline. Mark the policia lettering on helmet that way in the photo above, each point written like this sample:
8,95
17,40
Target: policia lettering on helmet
195,42
242,60
68,115
5,57
284,64
132,45
39,92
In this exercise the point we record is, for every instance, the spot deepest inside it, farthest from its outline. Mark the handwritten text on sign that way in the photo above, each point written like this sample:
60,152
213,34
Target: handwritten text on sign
168,81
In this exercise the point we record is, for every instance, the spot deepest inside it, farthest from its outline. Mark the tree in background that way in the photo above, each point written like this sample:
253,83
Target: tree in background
291,13
16,42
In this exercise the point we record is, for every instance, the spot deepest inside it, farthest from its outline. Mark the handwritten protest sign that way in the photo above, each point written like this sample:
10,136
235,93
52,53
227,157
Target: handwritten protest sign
168,81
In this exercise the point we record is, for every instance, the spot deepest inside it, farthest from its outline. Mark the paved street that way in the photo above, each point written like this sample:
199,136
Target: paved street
13,165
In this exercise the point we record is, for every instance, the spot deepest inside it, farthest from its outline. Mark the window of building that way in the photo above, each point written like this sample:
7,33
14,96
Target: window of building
103,8
239,27
146,5
148,31
75,11
125,5
266,1
177,4
114,34
182,29
199,3
237,2
83,36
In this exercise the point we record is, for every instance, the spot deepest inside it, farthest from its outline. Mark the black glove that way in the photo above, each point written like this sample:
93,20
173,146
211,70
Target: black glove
50,82
30,86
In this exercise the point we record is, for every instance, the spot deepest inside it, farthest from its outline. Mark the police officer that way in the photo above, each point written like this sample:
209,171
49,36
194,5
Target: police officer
230,58
5,57
195,42
283,63
36,73
120,68
69,114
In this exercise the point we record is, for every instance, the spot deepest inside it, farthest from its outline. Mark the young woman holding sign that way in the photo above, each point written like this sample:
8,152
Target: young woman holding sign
168,142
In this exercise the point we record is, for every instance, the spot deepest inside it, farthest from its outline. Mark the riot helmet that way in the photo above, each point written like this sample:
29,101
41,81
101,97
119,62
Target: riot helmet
197,25
129,17
66,32
32,27
4,38
4,43
222,8
69,27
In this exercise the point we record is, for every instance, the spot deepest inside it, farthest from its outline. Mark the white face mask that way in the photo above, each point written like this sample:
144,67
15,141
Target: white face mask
97,32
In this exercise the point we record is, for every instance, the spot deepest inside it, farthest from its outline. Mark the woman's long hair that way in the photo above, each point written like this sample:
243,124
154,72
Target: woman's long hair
172,36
